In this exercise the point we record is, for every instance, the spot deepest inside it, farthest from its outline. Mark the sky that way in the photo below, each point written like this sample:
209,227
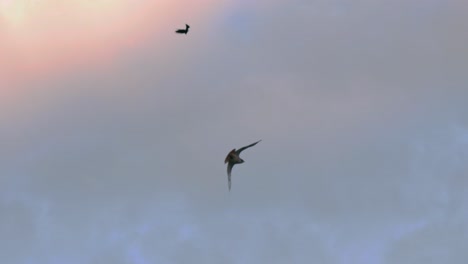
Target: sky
114,130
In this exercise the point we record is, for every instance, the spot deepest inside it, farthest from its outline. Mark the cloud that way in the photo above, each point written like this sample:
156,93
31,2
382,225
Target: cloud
360,108
438,242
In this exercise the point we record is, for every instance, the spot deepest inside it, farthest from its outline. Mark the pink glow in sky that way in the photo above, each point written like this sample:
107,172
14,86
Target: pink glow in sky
46,38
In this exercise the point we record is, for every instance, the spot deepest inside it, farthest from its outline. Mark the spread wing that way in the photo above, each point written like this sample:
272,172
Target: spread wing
246,147
229,169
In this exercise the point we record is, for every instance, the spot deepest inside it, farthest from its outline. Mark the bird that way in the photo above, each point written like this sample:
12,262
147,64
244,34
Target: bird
183,31
233,158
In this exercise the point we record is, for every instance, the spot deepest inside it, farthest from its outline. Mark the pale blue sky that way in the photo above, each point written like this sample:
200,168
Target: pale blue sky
361,108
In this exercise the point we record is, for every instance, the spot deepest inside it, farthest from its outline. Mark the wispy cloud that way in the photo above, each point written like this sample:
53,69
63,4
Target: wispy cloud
360,106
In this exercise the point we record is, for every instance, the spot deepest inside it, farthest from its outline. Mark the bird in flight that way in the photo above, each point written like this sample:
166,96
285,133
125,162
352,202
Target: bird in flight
233,158
183,31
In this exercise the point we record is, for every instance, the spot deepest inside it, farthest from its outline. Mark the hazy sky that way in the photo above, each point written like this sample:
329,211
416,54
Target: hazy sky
114,130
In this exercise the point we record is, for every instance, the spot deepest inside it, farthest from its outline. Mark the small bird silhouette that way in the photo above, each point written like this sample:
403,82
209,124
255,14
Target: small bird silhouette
183,31
233,158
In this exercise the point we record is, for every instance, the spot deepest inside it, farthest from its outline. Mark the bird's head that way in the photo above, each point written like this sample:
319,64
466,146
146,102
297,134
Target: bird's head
241,161
187,26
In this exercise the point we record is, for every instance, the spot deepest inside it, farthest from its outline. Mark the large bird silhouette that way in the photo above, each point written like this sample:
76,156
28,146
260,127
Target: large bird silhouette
183,31
233,158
